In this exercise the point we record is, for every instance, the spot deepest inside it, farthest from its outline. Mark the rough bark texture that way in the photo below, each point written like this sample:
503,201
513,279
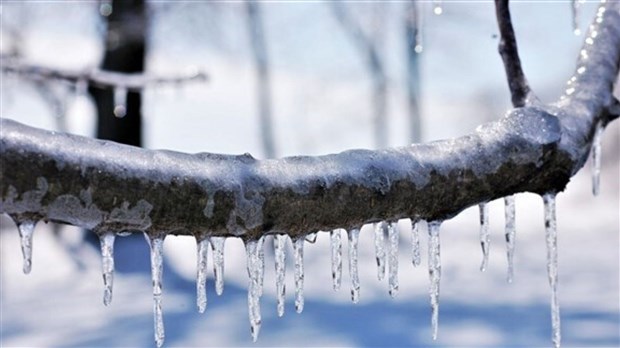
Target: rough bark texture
107,186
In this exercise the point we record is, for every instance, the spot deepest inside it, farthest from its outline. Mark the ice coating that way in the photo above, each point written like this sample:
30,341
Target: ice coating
298,249
26,230
380,248
217,243
353,271
107,264
393,236
157,264
253,265
552,264
596,158
279,244
415,243
201,274
509,216
485,238
336,251
434,271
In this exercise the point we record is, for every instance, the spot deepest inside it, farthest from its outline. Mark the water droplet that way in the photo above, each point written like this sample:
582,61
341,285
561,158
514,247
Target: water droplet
353,271
509,215
107,263
26,230
552,264
437,7
280,263
336,248
201,276
434,271
415,242
157,265
105,8
393,235
596,158
217,243
380,230
298,248
120,102
485,238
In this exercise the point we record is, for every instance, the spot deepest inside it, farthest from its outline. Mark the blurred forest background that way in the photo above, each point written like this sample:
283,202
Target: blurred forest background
291,78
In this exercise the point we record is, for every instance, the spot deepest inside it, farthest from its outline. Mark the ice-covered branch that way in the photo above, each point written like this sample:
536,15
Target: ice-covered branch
99,78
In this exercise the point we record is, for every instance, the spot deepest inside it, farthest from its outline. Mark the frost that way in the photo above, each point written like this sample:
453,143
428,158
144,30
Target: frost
596,158
26,230
107,264
120,101
434,271
380,248
217,243
336,248
552,264
78,211
298,248
509,213
415,243
135,218
201,277
280,263
157,264
353,272
485,239
393,235
253,266
30,200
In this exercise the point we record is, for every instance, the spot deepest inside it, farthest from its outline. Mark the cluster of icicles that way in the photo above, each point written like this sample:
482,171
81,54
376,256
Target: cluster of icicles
386,252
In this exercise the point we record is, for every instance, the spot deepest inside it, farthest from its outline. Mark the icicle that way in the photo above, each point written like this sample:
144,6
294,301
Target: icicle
81,87
419,27
575,11
261,264
26,230
485,238
353,272
393,235
201,277
336,246
415,242
120,101
596,158
280,261
434,271
157,265
509,214
437,7
253,264
217,243
107,263
311,238
552,264
380,248
298,248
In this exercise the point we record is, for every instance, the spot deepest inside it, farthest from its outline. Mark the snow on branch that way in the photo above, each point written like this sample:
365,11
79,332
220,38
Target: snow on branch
99,78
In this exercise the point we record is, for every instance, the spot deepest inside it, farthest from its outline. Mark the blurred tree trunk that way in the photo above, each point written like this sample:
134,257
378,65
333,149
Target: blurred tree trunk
124,52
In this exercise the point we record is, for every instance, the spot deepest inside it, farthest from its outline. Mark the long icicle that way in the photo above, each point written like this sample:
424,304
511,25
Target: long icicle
157,264
596,158
201,276
393,236
253,265
353,271
336,247
552,264
485,238
217,243
380,248
298,248
280,264
26,230
260,253
510,220
415,243
575,12
107,264
434,271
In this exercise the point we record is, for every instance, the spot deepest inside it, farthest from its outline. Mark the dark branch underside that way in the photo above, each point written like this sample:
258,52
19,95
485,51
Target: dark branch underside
110,187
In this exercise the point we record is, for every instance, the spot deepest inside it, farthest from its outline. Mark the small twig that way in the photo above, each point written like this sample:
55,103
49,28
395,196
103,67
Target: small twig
519,88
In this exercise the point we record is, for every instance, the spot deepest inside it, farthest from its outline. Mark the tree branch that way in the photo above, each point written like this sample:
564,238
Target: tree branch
105,186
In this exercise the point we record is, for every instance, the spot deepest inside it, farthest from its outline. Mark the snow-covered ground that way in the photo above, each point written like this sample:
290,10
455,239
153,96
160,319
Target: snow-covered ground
321,105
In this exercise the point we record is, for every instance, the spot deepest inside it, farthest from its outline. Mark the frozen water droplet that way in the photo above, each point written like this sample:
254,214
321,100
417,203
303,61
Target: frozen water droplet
123,234
509,214
26,230
575,11
298,248
485,238
437,7
157,265
415,242
336,247
552,264
260,248
596,158
217,243
311,238
380,228
107,264
253,266
434,271
353,271
201,276
105,7
280,261
393,234
120,101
